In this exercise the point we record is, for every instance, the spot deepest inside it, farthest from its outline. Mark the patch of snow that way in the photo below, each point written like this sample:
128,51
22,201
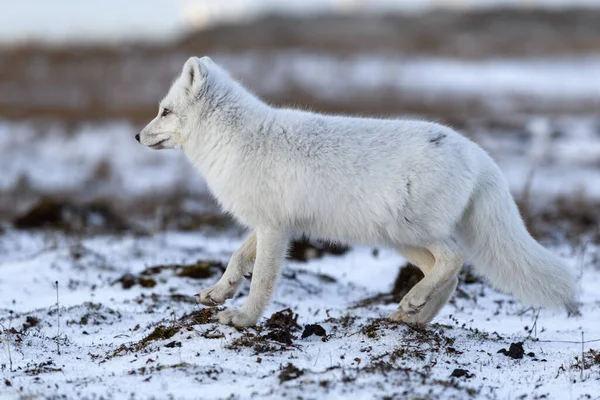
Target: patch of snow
350,363
102,159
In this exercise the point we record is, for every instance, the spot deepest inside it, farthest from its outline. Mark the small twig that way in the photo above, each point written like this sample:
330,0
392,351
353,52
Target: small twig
57,320
524,311
536,320
318,355
582,357
567,341
7,333
534,326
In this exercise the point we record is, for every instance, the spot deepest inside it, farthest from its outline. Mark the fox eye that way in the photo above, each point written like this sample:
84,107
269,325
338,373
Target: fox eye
165,112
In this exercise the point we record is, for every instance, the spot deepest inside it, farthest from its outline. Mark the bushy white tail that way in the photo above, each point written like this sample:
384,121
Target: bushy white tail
503,251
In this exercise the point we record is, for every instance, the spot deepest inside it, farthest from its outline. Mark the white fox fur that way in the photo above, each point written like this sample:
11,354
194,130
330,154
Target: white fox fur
415,186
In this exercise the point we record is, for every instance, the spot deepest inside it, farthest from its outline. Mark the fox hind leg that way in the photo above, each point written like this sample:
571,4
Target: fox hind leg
440,263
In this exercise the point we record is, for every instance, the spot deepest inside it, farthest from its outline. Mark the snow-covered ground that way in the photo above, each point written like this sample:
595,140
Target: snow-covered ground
155,342
100,159
126,324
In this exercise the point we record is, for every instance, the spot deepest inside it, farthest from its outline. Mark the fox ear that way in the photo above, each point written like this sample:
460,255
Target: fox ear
194,74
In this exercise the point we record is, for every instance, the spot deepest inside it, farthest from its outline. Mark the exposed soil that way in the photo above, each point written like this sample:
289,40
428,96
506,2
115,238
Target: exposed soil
304,249
408,276
148,277
64,215
313,329
515,351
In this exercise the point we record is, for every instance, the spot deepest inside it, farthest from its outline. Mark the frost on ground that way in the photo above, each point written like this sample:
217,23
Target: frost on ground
130,327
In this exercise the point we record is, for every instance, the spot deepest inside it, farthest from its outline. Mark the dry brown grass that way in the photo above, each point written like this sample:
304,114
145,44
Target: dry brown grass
575,219
81,83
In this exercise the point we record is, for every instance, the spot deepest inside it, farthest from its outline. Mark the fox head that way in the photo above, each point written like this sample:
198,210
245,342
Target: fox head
169,129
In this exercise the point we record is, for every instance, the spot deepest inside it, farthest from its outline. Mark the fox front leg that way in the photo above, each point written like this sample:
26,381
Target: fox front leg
239,265
271,246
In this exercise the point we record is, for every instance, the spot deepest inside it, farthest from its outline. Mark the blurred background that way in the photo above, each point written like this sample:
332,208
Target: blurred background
78,79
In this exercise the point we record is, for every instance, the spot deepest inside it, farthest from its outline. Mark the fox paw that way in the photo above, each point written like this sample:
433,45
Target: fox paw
410,305
414,320
216,295
236,318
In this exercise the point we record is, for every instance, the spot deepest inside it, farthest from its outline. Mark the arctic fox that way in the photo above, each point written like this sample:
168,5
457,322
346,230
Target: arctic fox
418,187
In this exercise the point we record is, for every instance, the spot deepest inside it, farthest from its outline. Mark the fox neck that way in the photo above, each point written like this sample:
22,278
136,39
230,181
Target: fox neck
225,135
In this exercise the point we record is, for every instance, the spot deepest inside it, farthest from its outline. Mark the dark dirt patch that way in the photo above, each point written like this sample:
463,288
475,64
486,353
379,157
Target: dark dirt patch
591,359
281,336
151,369
515,351
345,322
173,344
313,329
459,373
416,343
281,325
63,215
260,344
284,319
30,322
304,250
199,270
290,372
408,276
44,367
200,317
146,282
372,330
594,356
164,332
97,318
147,278
405,352
161,332
279,328
127,281
187,221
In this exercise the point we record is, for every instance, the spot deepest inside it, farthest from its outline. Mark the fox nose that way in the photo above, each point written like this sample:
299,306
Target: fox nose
137,137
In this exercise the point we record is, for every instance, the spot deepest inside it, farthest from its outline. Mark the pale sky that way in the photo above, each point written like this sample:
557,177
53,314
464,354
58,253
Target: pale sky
118,20
102,20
